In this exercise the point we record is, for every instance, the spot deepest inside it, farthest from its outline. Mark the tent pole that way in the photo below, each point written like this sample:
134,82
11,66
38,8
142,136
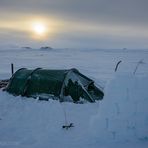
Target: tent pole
12,69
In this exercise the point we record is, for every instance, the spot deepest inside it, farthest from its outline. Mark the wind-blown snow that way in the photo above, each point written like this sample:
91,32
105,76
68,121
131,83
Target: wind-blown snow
122,115
119,120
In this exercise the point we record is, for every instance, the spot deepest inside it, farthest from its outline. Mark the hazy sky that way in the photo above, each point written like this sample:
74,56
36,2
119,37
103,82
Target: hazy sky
76,23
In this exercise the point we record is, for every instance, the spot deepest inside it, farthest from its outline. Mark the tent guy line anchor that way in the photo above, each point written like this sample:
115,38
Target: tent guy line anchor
68,126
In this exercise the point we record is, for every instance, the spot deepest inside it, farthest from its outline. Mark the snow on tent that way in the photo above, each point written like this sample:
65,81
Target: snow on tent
65,85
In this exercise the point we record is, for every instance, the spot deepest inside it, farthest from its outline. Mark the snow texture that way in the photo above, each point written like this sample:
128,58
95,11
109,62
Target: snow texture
119,120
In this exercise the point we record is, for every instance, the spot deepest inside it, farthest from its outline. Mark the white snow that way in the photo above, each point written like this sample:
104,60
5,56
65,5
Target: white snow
119,120
122,115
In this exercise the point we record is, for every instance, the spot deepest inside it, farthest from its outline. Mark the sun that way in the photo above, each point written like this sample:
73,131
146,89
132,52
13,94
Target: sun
39,28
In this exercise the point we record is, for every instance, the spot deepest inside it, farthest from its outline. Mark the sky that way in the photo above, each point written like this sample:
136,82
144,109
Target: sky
74,23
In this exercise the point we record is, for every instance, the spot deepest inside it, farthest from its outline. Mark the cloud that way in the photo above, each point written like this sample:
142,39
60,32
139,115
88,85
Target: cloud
109,11
116,22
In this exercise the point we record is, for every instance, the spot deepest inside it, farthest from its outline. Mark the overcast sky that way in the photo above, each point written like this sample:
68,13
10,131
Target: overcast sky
77,23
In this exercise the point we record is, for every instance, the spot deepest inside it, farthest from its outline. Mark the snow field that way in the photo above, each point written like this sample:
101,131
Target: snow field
119,120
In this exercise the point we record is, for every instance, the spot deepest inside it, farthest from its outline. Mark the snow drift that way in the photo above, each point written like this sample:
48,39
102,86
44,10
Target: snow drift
123,114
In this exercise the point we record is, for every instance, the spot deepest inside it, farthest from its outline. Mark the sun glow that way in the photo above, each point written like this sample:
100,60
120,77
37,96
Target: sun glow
39,28
36,28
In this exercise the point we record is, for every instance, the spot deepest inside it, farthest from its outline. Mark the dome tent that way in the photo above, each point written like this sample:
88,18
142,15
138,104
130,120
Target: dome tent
58,84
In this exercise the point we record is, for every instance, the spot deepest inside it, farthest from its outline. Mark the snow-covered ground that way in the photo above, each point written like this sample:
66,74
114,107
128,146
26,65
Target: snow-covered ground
119,120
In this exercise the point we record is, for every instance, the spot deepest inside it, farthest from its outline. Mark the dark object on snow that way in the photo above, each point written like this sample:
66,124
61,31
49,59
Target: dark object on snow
3,83
12,69
46,48
117,65
56,84
68,126
140,62
26,47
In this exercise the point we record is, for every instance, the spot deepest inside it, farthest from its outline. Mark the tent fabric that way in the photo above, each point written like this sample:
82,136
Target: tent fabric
61,84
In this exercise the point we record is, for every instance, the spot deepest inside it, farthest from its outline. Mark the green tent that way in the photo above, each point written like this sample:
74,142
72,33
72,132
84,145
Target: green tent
65,85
